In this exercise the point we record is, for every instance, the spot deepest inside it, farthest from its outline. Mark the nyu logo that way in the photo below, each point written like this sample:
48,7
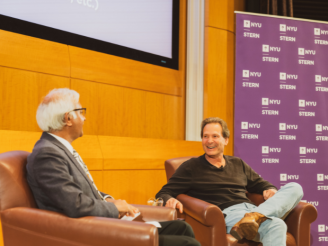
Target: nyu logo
302,52
320,128
284,76
319,78
317,31
266,150
284,28
321,177
249,24
267,101
304,150
322,228
314,203
247,74
303,103
285,177
267,48
284,126
246,125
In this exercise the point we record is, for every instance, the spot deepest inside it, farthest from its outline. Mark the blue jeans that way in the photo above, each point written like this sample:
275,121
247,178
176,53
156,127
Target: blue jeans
273,231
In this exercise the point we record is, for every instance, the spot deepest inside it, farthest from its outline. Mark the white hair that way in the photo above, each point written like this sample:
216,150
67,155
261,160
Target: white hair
51,111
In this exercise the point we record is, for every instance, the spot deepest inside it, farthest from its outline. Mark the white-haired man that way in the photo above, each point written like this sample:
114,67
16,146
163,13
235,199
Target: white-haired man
224,180
61,182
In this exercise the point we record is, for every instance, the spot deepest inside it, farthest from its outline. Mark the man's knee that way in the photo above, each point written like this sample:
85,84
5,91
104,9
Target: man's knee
185,228
296,189
279,225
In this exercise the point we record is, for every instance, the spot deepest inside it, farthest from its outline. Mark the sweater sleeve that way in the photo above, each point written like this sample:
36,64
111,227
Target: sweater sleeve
255,183
179,183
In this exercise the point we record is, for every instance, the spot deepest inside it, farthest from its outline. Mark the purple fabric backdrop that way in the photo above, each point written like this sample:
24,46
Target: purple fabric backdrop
281,106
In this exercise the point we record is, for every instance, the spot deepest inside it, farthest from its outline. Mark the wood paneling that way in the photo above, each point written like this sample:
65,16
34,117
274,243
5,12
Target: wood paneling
219,77
109,69
142,153
134,186
28,53
18,140
219,14
118,111
21,93
98,179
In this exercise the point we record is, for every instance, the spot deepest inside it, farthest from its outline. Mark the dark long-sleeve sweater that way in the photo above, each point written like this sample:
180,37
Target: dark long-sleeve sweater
224,187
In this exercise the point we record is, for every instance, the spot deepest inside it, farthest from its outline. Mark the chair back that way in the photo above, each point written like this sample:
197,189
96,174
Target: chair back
172,165
14,189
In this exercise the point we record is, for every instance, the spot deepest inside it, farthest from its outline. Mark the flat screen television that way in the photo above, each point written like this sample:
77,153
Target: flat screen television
142,30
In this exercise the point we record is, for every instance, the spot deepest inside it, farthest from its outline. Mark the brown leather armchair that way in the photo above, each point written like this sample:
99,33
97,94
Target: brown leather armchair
24,224
208,223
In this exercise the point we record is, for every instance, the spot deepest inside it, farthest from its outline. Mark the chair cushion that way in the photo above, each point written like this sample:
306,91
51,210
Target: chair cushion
234,242
14,190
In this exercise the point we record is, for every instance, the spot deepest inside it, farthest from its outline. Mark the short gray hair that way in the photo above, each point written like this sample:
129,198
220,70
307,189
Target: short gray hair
225,130
51,111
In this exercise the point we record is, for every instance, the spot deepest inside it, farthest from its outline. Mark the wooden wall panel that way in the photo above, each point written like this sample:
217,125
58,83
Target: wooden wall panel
1,237
109,69
219,14
118,111
28,53
18,140
143,153
219,77
21,93
134,186
98,178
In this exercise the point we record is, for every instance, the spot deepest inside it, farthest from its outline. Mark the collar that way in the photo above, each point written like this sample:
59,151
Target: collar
63,142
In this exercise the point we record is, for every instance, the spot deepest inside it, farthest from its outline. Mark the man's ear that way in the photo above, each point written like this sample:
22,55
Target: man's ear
68,119
226,141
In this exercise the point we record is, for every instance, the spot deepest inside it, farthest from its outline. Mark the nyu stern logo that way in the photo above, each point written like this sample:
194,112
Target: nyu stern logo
303,103
249,24
267,101
320,128
321,177
322,228
304,150
284,28
284,76
267,150
319,79
267,48
302,52
246,125
285,177
284,127
318,31
247,74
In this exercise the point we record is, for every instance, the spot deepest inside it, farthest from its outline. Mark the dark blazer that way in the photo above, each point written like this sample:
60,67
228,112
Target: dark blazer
59,183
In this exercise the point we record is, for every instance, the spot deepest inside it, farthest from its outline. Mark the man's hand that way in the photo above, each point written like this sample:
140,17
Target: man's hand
124,208
174,203
269,193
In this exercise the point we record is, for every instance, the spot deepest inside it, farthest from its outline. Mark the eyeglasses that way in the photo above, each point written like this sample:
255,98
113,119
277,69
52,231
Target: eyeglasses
83,111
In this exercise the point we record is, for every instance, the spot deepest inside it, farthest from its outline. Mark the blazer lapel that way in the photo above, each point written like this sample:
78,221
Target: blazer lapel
71,157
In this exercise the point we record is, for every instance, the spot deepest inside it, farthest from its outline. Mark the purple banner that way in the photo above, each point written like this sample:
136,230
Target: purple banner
281,106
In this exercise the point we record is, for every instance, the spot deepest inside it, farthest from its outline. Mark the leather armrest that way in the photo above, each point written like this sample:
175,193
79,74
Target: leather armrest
299,222
153,213
204,212
28,226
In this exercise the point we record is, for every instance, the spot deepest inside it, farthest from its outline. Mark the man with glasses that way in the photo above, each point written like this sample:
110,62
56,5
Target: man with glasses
61,182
